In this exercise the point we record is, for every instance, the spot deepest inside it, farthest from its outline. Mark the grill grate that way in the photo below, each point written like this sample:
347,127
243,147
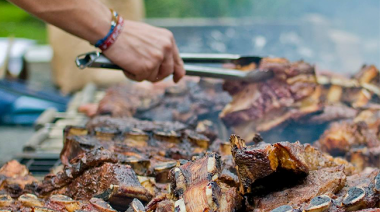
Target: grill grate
39,164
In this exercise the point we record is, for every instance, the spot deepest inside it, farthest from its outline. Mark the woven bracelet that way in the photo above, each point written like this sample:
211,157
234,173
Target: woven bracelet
113,25
113,36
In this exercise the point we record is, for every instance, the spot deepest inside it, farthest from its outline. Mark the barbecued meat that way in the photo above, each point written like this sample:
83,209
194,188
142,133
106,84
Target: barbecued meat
341,96
116,183
14,177
13,169
55,203
78,166
323,189
96,173
326,181
186,102
360,193
258,166
357,140
291,94
197,186
364,157
298,97
125,100
341,137
147,146
124,124
161,203
136,206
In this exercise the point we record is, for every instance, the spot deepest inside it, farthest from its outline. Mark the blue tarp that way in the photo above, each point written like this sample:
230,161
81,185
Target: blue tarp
21,104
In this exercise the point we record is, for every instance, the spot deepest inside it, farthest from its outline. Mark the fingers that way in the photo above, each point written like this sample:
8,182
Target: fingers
179,70
130,75
147,53
166,68
153,76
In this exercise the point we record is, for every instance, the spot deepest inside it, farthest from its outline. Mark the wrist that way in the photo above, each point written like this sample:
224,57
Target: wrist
114,32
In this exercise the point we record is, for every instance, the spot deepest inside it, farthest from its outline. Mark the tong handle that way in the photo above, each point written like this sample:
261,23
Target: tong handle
94,60
227,74
98,60
220,58
209,58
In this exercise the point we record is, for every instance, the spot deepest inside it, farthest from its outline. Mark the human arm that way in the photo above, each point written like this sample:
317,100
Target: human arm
143,51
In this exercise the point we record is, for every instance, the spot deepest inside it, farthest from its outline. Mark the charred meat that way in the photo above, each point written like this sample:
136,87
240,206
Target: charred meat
97,174
263,163
197,186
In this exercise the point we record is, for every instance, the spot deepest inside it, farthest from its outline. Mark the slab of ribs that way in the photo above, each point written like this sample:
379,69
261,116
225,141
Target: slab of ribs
164,148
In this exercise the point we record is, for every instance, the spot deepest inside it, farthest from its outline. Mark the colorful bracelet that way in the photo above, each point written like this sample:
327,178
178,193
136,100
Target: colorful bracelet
114,23
113,36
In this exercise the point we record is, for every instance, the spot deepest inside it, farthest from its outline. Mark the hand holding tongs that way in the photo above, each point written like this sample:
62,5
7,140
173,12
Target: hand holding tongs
98,60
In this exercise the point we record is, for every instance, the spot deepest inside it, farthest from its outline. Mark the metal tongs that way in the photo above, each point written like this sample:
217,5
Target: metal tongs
98,60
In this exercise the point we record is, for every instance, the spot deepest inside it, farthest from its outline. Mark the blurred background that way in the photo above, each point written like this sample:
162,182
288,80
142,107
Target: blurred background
338,36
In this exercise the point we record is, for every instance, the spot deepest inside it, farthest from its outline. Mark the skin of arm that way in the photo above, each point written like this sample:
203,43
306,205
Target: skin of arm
143,51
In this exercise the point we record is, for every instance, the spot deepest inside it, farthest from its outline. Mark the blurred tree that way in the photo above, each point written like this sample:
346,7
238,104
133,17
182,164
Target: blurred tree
198,8
353,15
16,22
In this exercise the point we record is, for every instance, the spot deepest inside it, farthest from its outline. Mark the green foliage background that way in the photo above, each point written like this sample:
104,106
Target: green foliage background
16,22
356,14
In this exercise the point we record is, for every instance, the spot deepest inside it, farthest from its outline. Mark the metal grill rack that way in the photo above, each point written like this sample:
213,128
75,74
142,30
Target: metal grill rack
41,152
48,137
39,164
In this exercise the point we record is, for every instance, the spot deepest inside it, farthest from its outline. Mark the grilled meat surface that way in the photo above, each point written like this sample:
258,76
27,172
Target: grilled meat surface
150,151
161,149
15,178
96,173
357,140
299,177
297,96
197,186
326,181
257,107
186,102
55,203
260,165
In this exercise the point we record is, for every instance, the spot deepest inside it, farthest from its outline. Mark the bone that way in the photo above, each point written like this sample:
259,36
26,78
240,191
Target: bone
5,200
65,202
167,135
104,133
284,208
319,204
377,183
101,205
136,206
136,137
179,206
41,209
30,200
162,170
354,198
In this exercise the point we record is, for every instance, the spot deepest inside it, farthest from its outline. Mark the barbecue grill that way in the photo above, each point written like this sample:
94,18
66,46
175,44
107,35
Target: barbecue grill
168,147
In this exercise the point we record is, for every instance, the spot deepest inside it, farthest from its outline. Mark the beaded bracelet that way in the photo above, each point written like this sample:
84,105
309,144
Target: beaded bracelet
116,25
113,36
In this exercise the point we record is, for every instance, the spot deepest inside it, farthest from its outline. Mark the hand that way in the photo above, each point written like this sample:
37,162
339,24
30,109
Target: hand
145,52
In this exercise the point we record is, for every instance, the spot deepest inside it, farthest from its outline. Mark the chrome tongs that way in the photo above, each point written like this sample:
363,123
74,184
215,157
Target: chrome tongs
98,60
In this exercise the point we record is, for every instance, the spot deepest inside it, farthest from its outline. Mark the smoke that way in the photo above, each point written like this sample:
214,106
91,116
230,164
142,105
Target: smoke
336,35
